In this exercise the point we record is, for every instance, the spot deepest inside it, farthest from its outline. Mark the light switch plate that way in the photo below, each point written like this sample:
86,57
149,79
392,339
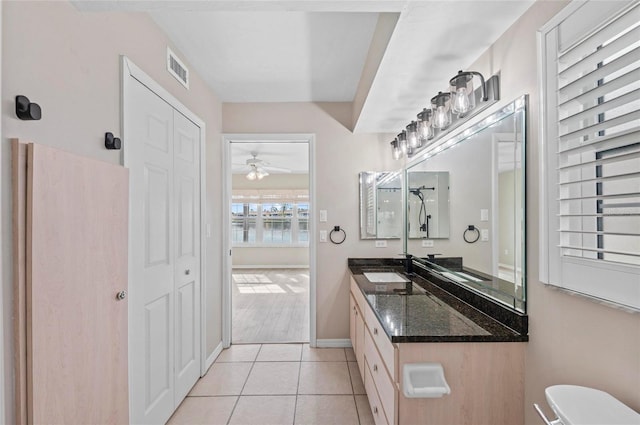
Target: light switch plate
484,235
484,215
323,235
381,244
323,217
427,243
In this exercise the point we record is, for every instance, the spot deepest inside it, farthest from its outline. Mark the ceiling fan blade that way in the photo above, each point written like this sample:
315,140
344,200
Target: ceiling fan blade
275,169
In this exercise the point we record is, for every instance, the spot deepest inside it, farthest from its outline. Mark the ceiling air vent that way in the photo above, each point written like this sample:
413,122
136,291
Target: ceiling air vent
177,68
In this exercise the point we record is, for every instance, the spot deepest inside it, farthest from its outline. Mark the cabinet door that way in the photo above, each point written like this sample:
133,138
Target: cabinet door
352,321
360,330
76,263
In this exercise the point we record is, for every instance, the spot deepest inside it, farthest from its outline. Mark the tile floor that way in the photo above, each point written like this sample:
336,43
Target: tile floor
277,384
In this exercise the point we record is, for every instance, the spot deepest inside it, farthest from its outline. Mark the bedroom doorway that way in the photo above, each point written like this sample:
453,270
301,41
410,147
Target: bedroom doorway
269,203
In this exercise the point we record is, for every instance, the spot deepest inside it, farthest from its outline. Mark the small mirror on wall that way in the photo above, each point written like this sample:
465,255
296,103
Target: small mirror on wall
428,205
380,205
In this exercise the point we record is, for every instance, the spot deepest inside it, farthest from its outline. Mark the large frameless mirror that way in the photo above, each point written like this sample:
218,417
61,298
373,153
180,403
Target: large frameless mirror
428,205
482,246
380,205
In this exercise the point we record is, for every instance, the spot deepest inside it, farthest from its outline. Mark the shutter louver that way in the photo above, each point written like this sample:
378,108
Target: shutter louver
598,106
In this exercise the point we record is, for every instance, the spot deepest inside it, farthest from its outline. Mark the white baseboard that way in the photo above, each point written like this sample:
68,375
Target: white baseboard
213,356
271,266
333,343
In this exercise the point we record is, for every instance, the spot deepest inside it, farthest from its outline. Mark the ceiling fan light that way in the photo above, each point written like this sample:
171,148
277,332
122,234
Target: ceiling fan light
261,173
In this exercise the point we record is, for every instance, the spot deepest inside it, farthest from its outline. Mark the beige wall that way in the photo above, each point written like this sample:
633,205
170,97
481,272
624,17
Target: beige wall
340,156
572,340
69,63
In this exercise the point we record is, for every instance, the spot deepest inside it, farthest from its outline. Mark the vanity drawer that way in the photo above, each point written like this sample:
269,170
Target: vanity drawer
374,401
383,382
381,340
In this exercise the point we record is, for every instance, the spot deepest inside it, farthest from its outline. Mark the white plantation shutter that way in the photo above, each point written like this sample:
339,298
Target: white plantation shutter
591,67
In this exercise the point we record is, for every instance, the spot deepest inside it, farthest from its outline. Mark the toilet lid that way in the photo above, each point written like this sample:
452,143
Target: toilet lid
576,405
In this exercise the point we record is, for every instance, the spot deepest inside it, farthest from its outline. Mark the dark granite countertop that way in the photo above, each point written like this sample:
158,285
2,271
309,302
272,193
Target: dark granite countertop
421,311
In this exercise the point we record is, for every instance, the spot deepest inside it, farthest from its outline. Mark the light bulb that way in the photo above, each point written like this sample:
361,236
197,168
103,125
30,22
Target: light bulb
412,139
397,153
403,146
461,104
261,173
425,130
252,175
441,118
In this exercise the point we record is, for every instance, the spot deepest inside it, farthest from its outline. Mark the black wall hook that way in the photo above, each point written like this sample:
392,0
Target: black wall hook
111,142
25,110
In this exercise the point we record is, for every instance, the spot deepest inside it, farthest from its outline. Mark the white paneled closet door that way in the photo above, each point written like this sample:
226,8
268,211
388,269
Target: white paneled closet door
186,166
163,156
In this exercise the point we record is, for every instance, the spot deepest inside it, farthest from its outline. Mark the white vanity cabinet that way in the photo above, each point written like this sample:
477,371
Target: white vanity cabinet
376,357
486,378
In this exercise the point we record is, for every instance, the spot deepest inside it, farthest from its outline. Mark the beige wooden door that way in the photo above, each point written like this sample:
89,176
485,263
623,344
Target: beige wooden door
77,218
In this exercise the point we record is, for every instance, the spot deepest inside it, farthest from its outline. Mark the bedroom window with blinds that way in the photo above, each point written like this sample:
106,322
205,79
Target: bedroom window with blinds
590,72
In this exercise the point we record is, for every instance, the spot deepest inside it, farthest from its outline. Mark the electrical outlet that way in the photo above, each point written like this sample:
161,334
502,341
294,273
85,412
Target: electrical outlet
381,244
323,218
323,235
484,215
484,235
427,243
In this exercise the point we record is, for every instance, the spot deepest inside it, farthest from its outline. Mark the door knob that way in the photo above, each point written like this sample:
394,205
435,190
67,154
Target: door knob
187,272
121,295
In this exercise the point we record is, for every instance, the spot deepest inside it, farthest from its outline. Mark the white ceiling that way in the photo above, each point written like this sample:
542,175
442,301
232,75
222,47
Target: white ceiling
315,50
273,56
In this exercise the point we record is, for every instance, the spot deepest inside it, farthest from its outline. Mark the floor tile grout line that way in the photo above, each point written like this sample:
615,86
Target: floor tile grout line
242,389
295,407
353,391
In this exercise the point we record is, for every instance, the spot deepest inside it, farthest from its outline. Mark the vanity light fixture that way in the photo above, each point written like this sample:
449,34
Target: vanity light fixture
402,142
448,110
395,149
425,131
441,106
412,135
461,87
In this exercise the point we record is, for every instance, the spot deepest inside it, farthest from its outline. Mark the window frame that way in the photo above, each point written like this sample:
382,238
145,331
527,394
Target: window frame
611,283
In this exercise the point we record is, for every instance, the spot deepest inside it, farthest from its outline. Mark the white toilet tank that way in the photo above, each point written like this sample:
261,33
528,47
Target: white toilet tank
575,405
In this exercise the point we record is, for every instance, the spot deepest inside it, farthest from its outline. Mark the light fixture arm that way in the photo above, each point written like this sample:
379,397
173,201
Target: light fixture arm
485,97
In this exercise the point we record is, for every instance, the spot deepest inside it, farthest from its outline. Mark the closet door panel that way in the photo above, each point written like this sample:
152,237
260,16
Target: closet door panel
77,224
187,247
150,143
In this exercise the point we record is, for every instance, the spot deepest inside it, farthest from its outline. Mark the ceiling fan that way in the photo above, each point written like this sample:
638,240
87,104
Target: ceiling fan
259,169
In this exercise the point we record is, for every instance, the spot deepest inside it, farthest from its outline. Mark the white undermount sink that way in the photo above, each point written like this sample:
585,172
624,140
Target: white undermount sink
384,277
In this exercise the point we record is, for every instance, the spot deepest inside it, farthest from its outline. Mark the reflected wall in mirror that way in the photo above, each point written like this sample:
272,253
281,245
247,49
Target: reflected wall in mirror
486,166
380,205
428,204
